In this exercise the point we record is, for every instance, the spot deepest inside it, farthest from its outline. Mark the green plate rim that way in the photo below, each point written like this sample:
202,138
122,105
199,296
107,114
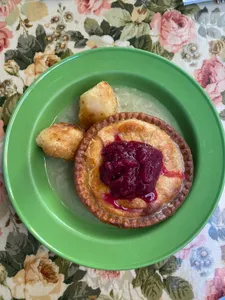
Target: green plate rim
20,103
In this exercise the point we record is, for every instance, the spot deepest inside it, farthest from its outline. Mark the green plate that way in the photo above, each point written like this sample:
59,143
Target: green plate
74,233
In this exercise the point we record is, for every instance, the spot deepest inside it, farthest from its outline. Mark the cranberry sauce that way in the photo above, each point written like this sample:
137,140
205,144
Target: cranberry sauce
113,201
172,174
131,170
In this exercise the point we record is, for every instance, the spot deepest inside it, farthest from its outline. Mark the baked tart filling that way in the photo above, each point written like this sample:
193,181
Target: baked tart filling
133,170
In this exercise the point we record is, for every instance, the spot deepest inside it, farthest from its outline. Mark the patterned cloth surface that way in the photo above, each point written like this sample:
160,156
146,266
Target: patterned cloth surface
36,34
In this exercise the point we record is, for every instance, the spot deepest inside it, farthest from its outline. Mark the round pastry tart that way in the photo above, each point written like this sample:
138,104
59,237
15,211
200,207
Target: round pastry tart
133,170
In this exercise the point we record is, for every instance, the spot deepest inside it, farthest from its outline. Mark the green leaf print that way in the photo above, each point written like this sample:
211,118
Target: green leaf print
142,3
41,35
28,45
9,106
77,38
75,35
73,273
2,100
189,9
158,49
149,15
118,17
62,264
22,244
10,263
105,27
160,264
222,115
223,101
153,287
115,32
178,288
22,60
154,7
142,275
162,6
92,27
65,53
169,267
134,30
123,5
168,3
18,246
143,42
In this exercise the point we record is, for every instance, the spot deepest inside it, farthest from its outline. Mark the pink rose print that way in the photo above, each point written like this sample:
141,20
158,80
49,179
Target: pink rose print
5,35
215,288
92,6
107,280
108,275
211,77
8,6
174,30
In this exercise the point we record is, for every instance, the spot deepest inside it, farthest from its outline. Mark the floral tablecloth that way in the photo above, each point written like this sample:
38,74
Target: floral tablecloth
36,34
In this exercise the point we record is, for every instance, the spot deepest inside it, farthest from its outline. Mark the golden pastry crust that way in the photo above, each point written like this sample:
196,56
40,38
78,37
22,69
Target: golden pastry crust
138,127
97,104
60,140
